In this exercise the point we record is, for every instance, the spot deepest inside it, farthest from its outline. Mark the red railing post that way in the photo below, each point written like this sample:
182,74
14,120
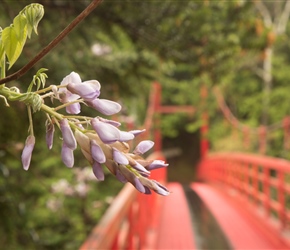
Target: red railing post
157,124
204,145
266,184
255,180
281,199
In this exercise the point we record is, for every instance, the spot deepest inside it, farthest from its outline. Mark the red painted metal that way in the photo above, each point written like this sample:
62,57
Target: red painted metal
175,230
241,232
258,183
204,143
157,121
155,110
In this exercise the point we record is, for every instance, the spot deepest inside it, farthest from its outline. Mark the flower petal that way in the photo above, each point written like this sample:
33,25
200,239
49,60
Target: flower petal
120,176
160,189
73,77
112,122
106,107
156,164
49,134
87,90
67,134
74,108
65,95
143,147
98,171
141,169
107,132
97,152
27,151
139,186
126,136
67,156
119,157
137,132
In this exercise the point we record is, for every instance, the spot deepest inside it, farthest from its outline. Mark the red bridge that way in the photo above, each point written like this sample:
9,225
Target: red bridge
238,201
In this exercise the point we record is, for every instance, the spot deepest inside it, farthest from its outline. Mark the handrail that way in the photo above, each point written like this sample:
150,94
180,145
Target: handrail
262,183
106,234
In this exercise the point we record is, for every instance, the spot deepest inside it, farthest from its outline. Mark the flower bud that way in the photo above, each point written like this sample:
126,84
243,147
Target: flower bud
137,132
139,186
27,151
67,156
107,132
98,171
157,164
97,152
143,147
67,134
119,157
104,106
49,135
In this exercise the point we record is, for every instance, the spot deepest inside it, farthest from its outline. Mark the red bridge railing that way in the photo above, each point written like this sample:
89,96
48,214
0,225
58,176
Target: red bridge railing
260,184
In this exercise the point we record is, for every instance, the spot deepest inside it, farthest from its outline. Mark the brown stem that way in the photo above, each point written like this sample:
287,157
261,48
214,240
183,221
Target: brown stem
53,43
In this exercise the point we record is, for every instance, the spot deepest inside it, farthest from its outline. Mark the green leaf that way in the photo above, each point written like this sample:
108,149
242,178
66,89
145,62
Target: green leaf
14,38
12,46
34,13
1,46
20,26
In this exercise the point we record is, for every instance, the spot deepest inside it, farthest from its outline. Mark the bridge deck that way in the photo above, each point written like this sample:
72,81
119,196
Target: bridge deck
188,218
175,230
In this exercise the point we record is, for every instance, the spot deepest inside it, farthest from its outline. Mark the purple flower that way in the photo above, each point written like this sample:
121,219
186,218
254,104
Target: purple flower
156,164
112,122
139,186
49,135
109,133
125,136
66,96
141,169
160,189
120,157
67,134
67,156
97,152
137,132
27,151
104,106
74,108
120,176
98,171
143,147
87,90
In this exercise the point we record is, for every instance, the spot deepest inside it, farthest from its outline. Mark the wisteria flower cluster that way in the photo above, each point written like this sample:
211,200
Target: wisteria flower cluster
100,140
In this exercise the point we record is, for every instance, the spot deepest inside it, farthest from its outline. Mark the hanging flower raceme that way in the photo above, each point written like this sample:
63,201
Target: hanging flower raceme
100,140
